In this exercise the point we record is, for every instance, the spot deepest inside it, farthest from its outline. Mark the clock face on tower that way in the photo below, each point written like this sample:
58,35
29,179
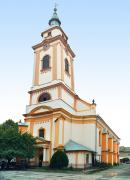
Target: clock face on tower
46,46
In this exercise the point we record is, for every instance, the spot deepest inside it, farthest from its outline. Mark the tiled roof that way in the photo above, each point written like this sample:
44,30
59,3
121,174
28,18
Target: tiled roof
74,146
22,124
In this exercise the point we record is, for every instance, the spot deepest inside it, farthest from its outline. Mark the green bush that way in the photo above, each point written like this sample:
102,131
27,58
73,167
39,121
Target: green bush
59,160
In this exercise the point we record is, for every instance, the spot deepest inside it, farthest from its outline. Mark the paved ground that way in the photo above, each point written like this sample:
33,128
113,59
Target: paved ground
118,173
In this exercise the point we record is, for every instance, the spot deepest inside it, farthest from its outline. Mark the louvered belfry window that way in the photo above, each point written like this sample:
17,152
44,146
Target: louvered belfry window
45,62
66,65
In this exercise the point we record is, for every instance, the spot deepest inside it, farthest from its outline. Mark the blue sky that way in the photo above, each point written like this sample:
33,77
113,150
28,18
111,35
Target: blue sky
99,34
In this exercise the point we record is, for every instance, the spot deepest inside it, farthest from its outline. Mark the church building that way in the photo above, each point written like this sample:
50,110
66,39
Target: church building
56,115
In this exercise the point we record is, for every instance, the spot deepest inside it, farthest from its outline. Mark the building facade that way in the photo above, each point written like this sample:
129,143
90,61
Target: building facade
56,115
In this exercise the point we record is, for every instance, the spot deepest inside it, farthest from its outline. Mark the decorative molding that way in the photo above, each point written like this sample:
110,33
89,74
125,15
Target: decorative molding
48,41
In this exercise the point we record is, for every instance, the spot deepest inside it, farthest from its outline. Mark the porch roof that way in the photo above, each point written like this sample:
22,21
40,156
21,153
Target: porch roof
74,146
42,140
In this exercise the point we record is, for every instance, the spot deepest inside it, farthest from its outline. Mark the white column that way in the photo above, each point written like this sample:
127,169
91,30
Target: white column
44,155
60,130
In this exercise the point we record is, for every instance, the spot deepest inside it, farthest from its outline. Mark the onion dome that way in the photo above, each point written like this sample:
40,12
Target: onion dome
54,21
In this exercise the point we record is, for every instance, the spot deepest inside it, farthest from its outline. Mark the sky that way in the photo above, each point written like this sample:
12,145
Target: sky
99,34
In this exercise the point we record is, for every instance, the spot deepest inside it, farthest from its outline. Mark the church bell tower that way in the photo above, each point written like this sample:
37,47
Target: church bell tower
53,57
53,64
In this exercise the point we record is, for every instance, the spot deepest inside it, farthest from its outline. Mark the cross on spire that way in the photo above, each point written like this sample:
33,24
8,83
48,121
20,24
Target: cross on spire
56,5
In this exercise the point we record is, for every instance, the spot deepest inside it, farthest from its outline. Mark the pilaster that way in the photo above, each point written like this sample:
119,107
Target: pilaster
36,68
105,147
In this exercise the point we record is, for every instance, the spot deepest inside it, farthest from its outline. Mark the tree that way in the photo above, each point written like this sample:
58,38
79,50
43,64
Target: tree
26,145
13,143
10,124
59,160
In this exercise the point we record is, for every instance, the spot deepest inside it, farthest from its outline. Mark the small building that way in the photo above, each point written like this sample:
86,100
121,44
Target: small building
124,152
56,115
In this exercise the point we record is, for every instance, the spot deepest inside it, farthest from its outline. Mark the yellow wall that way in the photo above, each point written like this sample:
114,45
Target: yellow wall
23,129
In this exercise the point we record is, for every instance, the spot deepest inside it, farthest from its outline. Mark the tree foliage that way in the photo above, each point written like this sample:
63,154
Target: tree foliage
59,160
13,143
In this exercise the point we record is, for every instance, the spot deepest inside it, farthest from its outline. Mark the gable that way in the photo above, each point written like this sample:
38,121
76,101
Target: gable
41,109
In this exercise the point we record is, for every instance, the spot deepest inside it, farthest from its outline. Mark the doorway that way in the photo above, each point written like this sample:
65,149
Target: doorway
40,156
87,159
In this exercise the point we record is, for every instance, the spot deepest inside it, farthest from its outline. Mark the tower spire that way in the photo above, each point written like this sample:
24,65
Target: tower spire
54,21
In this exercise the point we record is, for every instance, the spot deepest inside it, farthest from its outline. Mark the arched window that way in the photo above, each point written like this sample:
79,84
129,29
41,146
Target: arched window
41,133
66,65
46,62
44,97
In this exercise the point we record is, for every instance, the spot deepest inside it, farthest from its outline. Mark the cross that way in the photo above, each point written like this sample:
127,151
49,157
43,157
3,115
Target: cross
56,5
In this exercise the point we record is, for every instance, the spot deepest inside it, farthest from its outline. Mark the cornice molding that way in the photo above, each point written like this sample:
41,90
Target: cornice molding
55,27
48,41
61,110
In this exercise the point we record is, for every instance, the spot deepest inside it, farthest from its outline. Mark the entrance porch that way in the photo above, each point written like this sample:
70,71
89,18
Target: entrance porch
42,156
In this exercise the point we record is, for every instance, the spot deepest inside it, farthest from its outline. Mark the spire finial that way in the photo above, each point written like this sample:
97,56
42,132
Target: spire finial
55,7
93,101
54,21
